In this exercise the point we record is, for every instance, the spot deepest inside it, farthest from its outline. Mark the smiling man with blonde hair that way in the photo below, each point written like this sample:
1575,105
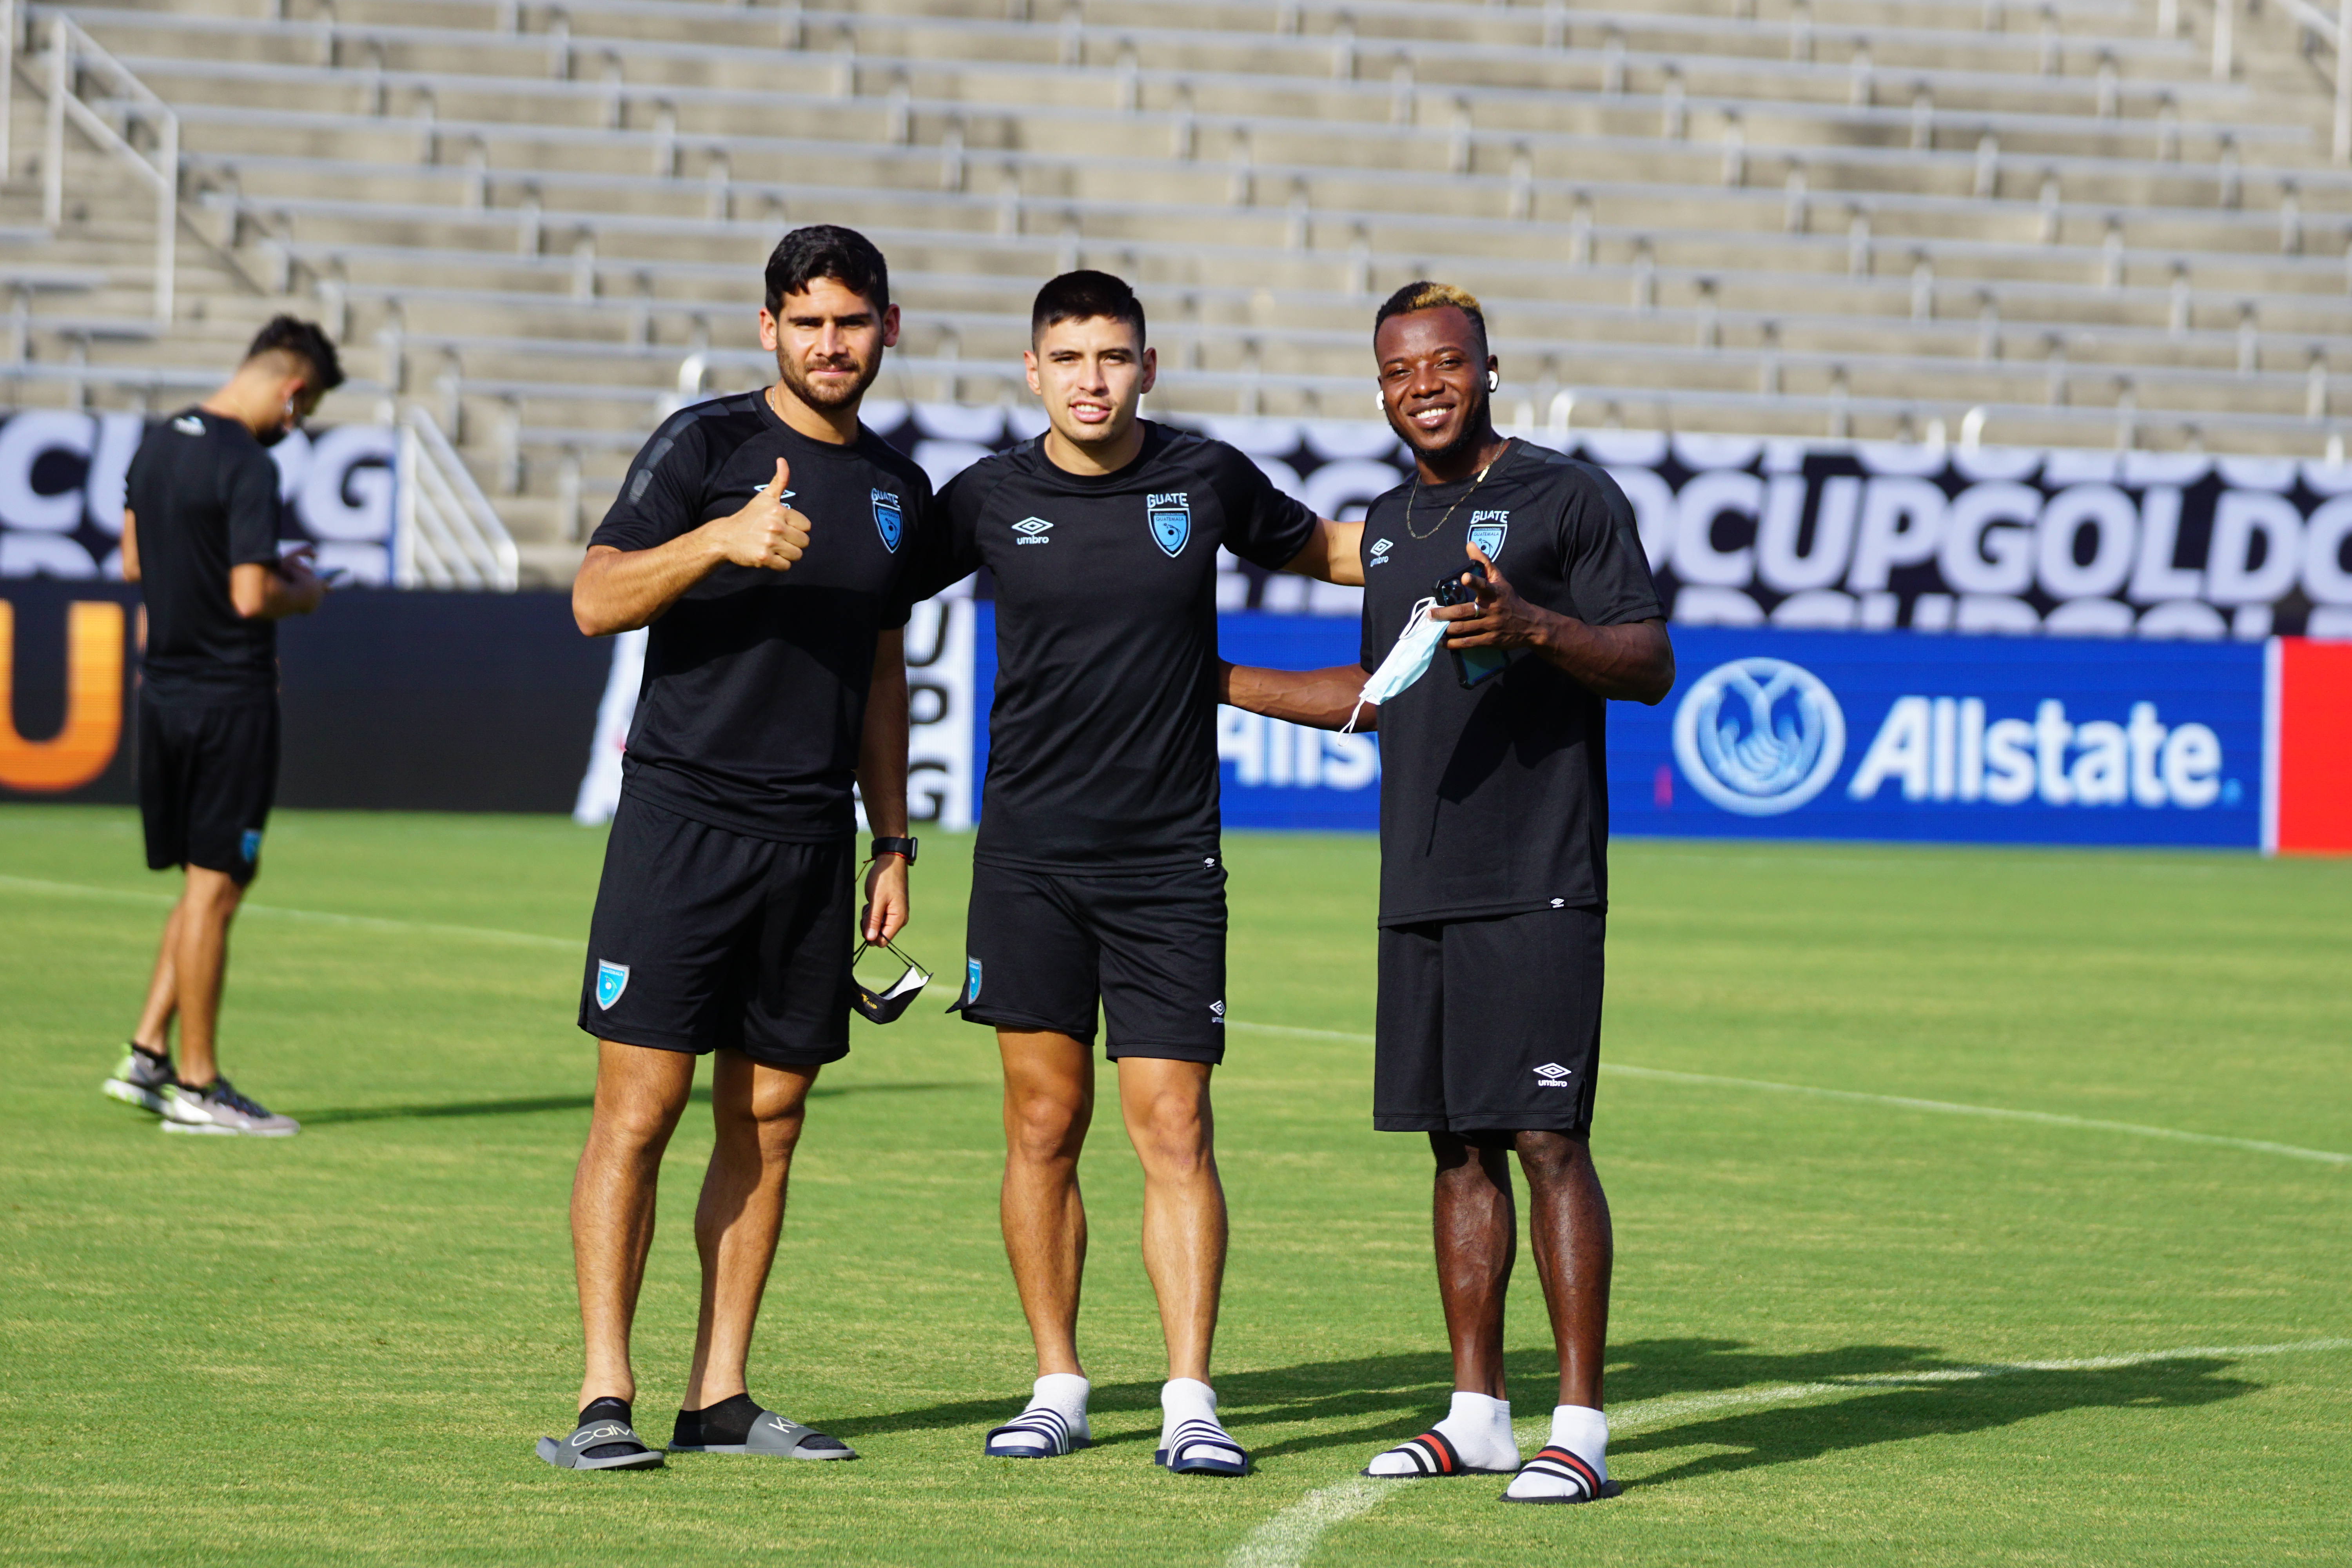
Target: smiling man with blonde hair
1524,567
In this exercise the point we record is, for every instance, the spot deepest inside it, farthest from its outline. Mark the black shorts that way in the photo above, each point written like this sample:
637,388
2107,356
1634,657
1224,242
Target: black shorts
1489,1025
705,939
1043,948
207,779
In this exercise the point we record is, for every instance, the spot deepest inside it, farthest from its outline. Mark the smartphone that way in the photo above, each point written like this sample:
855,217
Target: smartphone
1475,665
1471,666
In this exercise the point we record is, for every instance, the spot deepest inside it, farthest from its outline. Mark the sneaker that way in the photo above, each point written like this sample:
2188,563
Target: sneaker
218,1108
141,1080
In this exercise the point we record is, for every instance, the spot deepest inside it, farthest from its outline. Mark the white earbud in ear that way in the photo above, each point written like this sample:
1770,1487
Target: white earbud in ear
1494,381
1379,401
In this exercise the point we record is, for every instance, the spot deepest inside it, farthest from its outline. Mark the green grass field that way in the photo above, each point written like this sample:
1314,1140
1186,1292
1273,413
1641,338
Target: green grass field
340,1348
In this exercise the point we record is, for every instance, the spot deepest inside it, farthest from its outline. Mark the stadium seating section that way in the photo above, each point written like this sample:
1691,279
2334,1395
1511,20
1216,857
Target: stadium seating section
2085,221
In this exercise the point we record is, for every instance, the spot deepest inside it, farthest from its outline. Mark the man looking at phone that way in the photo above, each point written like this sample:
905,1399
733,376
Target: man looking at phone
1494,859
200,537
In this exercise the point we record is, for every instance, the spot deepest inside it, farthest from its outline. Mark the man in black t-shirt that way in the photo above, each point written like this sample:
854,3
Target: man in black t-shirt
1493,858
200,537
1097,877
767,539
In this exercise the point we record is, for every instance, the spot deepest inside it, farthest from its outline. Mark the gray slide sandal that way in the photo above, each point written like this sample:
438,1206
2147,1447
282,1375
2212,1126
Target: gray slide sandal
572,1452
773,1435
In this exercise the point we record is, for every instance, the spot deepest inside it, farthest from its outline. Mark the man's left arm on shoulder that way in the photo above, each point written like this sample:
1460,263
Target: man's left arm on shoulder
1262,521
1333,554
882,785
1632,662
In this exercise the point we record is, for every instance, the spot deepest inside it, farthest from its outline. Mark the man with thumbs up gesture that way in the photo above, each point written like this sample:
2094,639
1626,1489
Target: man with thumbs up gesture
765,539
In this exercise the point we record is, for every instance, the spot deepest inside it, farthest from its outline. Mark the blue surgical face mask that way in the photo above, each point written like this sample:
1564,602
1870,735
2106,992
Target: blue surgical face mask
1406,662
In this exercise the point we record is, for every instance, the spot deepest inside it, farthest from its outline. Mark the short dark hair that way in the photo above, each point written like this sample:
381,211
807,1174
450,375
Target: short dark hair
306,341
1422,294
1081,296
828,250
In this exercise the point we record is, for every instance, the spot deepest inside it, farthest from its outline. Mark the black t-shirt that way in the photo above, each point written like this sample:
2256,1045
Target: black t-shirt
755,685
1493,800
1102,749
204,497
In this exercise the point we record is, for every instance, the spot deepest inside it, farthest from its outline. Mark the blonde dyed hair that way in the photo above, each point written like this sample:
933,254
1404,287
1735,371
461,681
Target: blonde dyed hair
1427,294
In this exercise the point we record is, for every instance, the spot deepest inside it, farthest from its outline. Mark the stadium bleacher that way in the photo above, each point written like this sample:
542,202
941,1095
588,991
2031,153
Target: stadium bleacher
2085,221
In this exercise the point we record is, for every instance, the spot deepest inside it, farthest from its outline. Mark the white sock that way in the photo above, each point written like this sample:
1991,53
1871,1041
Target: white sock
1184,1399
1480,1430
1584,1432
1065,1394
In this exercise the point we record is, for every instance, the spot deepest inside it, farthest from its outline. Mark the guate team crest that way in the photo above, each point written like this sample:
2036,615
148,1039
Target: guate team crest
887,520
970,981
1488,530
1171,521
612,979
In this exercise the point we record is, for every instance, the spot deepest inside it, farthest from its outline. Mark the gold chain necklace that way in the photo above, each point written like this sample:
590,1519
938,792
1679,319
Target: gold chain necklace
1466,495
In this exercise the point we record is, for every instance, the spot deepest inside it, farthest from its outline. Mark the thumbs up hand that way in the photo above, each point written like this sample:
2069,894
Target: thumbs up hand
767,533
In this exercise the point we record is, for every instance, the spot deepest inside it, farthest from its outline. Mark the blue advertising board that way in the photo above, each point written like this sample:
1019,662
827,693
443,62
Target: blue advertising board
1790,734
1966,739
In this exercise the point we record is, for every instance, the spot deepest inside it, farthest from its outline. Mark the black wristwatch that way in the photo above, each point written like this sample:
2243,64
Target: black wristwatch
903,847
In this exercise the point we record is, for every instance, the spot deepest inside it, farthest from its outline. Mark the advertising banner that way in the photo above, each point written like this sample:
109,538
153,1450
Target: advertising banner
398,701
61,475
1868,536
1821,735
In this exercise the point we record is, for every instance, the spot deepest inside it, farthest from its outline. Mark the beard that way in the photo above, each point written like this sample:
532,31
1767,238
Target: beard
1468,436
796,375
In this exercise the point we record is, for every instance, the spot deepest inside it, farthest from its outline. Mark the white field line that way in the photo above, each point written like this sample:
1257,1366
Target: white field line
313,917
1949,1107
1289,1537
1939,1106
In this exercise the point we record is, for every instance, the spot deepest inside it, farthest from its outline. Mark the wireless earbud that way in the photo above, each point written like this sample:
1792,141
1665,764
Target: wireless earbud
1379,402
1494,381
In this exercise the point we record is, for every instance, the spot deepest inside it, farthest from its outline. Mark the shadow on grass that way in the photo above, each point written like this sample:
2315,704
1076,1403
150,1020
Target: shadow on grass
1792,1434
700,1096
1382,1400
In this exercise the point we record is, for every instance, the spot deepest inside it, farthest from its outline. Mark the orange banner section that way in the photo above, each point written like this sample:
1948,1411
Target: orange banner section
2314,747
82,748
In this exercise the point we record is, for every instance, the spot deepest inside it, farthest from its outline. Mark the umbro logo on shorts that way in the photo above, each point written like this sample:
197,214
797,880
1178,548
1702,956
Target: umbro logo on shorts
1558,903
1554,1076
1033,531
1217,1012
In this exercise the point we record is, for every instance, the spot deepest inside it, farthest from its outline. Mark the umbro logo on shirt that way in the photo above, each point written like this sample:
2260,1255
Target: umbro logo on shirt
1032,530
1553,1075
1380,548
188,425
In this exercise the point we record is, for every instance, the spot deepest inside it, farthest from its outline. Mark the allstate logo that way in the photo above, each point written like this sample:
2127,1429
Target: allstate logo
1760,736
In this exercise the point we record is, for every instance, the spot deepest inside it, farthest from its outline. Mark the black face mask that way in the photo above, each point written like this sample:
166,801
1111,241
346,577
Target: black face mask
883,1006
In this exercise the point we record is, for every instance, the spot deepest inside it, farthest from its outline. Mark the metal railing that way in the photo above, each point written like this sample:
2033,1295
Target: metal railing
74,55
447,533
2317,27
7,84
